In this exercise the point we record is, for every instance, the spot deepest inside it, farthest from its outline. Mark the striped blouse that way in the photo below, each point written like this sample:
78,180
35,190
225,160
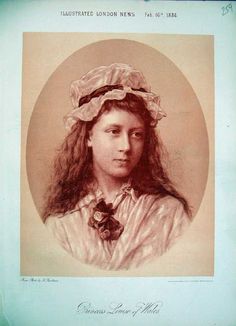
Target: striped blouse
151,226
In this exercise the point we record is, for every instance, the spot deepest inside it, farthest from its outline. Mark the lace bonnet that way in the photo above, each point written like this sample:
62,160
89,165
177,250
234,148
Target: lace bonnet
89,93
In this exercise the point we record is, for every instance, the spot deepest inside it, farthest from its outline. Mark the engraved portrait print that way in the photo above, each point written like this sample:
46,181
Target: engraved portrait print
123,164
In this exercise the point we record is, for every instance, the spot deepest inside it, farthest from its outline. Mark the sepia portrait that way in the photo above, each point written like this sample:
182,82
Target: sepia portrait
116,156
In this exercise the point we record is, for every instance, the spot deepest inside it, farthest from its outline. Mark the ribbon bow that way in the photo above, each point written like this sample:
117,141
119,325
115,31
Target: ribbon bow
103,221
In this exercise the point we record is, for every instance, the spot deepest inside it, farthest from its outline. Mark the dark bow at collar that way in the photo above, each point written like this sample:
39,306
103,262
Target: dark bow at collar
103,221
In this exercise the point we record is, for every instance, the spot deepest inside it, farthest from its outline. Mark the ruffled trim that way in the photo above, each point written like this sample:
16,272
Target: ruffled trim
116,73
90,110
95,195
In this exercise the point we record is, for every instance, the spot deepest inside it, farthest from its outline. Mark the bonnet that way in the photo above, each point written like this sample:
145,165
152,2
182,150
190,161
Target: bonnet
89,93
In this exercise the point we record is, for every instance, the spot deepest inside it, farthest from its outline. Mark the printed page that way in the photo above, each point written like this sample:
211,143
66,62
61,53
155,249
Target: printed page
175,253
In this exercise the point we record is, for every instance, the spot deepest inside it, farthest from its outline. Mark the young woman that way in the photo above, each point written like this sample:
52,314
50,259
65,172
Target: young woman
111,202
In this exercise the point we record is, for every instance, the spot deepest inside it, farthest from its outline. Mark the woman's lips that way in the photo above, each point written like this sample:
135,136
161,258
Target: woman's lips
122,161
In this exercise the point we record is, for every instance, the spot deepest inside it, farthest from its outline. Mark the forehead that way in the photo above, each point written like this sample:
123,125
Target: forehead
120,117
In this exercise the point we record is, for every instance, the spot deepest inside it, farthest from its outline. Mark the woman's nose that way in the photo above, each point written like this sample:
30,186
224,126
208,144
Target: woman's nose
124,144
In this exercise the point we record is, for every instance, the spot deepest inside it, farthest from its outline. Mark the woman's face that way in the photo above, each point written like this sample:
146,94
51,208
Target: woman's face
117,141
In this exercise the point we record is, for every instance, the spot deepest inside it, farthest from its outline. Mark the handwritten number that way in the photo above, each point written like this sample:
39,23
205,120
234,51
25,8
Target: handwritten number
227,9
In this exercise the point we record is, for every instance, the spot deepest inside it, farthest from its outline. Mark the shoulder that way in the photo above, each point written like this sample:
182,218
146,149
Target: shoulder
166,208
167,202
81,207
56,221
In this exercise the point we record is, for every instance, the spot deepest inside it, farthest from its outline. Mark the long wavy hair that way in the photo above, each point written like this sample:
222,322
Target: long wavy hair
73,172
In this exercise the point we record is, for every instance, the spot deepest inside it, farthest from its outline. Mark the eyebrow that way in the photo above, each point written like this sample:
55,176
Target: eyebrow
114,125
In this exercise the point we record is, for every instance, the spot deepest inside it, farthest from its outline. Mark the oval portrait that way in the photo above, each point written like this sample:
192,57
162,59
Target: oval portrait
117,154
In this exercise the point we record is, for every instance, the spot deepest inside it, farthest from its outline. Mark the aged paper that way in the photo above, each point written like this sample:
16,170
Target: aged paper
190,62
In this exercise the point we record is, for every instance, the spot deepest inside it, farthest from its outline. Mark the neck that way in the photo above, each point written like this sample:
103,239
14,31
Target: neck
109,186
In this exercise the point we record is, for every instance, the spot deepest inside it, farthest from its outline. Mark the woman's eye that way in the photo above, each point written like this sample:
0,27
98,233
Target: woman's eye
113,131
138,134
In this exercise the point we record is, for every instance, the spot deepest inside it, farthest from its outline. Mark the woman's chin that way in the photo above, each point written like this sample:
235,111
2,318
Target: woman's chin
121,173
